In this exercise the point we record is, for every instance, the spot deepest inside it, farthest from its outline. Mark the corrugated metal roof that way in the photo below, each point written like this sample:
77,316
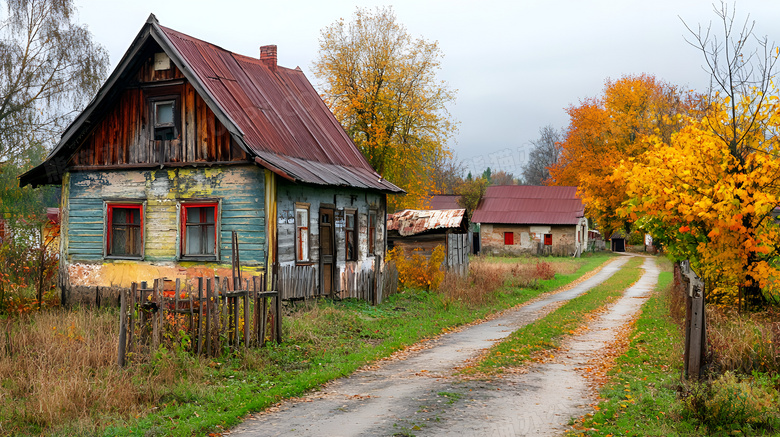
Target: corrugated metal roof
273,112
413,221
526,204
281,116
444,201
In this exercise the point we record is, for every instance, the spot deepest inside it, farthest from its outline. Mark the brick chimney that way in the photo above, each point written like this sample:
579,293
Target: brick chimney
268,56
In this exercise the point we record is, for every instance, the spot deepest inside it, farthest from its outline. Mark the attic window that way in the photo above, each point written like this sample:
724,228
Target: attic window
161,61
164,120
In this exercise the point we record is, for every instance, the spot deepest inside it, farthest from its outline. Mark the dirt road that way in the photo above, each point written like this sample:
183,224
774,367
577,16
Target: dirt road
419,396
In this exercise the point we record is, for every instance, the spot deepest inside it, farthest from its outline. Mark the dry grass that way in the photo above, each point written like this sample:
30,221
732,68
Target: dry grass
487,276
60,368
744,343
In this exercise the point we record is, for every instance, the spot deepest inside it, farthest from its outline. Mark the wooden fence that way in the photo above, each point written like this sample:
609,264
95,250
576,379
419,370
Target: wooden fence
458,249
205,316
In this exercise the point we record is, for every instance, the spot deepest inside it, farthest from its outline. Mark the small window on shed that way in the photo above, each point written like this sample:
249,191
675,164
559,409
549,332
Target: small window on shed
548,239
509,238
350,235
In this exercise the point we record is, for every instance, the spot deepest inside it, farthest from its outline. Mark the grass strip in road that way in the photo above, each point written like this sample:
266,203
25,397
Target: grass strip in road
641,397
547,333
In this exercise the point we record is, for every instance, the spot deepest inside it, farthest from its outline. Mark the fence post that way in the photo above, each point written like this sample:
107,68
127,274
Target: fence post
120,353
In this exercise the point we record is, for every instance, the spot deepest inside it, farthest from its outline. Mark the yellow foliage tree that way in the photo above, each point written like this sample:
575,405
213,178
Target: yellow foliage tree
381,84
711,201
710,193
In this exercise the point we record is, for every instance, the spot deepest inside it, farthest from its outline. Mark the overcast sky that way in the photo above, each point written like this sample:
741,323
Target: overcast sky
516,65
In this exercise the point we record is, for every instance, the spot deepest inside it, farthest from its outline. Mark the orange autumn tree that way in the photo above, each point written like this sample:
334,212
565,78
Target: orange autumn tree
604,131
381,84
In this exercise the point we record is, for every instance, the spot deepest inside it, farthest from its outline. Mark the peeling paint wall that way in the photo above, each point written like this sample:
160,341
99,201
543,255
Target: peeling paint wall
526,239
239,190
361,200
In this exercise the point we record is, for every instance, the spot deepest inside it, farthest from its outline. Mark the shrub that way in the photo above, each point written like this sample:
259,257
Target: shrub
417,271
730,403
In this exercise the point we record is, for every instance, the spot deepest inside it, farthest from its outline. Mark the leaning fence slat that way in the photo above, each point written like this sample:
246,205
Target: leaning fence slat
120,353
131,323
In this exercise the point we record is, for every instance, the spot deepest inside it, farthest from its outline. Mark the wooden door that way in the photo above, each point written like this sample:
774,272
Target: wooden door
327,251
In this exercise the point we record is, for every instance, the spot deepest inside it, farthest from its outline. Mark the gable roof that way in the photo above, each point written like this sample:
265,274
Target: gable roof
526,204
444,201
272,112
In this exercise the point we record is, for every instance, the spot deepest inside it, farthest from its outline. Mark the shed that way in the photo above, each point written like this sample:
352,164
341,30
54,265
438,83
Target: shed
424,230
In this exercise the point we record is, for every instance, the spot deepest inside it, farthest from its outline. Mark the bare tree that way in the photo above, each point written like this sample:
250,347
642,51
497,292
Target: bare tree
544,154
49,68
446,173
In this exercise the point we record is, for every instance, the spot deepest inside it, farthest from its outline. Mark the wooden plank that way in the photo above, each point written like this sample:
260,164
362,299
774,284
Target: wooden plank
155,319
208,316
121,347
200,315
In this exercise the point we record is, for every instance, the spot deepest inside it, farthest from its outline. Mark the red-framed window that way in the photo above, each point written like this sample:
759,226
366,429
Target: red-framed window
509,238
548,239
199,229
124,230
350,235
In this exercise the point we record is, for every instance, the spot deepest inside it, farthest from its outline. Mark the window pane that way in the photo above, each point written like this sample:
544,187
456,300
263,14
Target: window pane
118,240
208,240
193,240
164,113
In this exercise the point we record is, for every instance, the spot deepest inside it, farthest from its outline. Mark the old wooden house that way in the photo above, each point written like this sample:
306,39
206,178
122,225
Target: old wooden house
187,142
518,219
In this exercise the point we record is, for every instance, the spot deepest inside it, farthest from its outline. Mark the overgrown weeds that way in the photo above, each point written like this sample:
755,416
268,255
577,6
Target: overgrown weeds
487,277
58,373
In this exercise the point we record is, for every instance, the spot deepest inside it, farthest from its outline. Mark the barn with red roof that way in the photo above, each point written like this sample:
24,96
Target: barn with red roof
517,219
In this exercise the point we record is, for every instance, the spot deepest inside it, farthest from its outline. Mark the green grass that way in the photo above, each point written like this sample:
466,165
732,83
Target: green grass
323,341
547,333
641,397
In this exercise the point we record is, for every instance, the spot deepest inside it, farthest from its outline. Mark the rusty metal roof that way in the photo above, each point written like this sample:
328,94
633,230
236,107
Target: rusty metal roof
413,221
273,112
526,204
444,201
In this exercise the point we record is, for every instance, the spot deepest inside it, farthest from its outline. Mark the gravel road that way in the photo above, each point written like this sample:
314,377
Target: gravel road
418,394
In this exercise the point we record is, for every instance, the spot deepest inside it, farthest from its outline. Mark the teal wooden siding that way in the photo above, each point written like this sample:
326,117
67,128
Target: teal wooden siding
240,189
